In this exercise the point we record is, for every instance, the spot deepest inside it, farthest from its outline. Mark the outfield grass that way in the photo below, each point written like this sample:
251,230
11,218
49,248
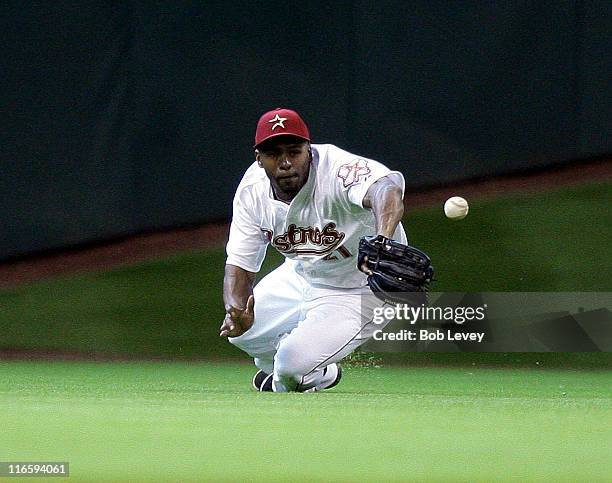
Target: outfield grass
558,240
187,422
555,241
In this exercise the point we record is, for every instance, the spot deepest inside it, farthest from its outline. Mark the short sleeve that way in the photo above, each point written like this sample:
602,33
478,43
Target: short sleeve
357,175
247,244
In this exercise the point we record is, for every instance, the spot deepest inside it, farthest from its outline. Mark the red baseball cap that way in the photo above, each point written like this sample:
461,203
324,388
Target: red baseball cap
280,122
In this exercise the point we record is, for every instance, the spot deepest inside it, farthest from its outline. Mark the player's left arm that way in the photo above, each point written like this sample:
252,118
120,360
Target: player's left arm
384,198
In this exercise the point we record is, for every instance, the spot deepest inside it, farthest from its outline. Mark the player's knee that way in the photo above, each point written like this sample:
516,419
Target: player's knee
252,347
289,380
289,367
238,342
288,373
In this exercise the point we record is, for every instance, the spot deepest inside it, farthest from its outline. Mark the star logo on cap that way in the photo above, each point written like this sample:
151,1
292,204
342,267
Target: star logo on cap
278,121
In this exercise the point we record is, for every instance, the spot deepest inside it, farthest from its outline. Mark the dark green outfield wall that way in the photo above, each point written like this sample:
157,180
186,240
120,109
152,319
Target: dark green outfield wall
126,116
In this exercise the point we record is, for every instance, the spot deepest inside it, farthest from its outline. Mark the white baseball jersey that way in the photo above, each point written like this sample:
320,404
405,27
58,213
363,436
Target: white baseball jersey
319,231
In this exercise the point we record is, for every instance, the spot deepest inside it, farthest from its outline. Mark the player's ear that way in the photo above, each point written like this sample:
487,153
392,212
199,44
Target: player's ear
258,158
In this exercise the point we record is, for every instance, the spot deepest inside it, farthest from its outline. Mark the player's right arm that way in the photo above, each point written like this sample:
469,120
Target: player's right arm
246,250
238,300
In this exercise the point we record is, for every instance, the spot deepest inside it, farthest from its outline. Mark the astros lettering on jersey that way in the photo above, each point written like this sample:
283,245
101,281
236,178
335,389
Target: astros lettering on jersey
319,230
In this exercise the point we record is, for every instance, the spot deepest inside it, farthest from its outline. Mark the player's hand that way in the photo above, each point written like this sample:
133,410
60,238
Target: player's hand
238,321
364,267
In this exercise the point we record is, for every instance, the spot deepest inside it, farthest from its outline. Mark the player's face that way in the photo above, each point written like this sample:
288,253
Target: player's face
287,164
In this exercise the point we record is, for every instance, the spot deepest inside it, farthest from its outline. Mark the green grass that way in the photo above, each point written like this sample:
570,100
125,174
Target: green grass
188,422
557,240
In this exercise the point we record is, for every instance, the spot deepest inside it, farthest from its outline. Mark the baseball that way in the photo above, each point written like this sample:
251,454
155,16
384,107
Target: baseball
456,208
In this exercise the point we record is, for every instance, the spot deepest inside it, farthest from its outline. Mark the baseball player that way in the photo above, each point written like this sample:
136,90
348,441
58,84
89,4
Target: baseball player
313,203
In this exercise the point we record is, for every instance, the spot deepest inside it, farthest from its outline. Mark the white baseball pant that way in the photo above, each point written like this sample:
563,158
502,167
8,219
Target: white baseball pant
300,329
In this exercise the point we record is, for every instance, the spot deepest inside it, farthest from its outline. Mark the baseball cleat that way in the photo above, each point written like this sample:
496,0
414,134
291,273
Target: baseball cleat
258,379
263,382
334,382
266,385
338,377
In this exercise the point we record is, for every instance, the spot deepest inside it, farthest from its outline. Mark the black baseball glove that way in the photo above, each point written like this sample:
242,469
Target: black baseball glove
397,273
